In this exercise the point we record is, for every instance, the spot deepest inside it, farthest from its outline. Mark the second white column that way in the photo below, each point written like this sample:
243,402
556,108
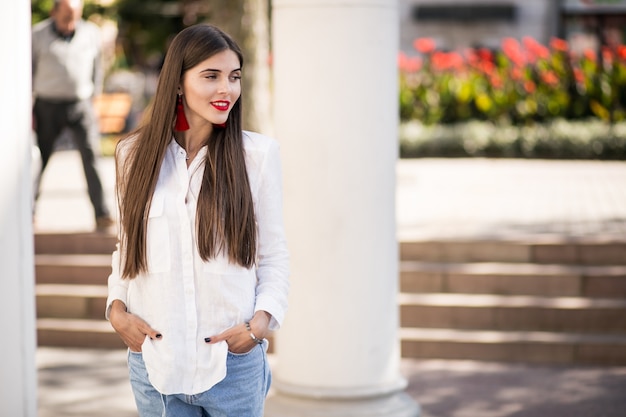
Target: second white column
336,116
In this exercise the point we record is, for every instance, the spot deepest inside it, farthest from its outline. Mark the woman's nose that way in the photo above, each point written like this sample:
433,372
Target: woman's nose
224,86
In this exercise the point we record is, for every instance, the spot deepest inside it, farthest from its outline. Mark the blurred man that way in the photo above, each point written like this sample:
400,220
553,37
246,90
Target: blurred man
67,75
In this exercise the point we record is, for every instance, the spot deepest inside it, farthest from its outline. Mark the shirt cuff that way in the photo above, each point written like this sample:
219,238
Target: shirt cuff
277,313
116,294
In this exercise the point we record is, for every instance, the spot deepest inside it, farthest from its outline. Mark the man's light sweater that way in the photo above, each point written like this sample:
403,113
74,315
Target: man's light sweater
66,69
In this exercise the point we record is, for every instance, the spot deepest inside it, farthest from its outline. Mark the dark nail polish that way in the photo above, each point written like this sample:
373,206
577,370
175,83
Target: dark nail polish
159,335
207,339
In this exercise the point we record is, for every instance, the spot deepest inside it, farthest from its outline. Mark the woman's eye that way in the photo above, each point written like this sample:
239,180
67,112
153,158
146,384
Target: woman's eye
235,77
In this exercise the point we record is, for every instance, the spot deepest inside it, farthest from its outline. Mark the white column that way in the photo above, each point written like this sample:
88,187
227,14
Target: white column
336,116
18,382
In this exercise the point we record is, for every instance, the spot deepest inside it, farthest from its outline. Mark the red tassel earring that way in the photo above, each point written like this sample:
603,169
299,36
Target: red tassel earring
181,119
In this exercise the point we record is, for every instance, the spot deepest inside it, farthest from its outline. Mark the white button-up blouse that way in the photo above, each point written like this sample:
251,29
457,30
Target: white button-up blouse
187,299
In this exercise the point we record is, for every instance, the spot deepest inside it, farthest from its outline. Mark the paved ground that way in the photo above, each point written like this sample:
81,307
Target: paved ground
93,383
510,198
506,199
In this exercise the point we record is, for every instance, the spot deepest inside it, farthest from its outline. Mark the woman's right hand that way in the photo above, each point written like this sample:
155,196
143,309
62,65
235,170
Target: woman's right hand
131,329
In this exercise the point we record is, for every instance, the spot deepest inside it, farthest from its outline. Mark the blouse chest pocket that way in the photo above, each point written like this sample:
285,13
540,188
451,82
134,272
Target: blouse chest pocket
157,237
236,286
221,266
235,280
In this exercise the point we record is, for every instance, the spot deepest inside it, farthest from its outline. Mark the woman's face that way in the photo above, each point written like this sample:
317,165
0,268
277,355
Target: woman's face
211,88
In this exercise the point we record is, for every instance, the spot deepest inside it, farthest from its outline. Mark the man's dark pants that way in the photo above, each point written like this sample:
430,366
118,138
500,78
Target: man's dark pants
51,117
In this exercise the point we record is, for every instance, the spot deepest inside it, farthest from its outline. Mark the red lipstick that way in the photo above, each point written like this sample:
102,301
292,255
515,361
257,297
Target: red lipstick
221,105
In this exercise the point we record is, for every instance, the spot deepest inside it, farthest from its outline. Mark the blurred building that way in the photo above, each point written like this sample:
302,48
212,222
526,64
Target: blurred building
457,24
593,23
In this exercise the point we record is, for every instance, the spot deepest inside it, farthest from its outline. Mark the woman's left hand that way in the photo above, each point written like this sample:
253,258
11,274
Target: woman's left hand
238,337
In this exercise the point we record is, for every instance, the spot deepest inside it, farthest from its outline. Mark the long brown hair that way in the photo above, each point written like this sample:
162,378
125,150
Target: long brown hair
225,217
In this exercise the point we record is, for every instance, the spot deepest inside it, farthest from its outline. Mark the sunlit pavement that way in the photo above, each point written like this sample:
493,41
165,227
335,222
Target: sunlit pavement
83,382
484,389
94,383
510,199
435,198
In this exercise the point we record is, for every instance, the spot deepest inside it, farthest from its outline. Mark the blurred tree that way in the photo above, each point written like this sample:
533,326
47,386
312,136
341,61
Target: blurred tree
247,21
145,29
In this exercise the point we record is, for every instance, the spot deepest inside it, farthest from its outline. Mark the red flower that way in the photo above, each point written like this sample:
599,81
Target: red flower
621,52
472,57
424,45
402,58
529,86
409,64
496,81
535,49
607,55
559,44
517,74
579,75
443,61
414,64
487,67
513,51
485,54
549,77
590,54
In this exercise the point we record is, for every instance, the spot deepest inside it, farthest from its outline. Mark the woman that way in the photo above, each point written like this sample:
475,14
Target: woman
199,276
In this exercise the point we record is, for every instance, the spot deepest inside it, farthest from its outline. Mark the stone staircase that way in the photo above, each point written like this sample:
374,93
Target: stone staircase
557,302
71,273
541,302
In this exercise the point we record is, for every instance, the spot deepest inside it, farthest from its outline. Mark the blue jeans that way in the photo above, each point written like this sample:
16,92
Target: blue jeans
241,393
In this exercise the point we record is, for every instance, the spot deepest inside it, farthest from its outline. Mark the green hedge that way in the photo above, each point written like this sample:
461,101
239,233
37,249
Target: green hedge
557,139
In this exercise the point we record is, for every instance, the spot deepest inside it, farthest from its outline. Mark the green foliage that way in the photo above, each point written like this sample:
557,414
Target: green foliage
40,9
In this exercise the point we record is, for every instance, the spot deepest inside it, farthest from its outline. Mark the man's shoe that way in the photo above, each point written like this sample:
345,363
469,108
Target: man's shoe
104,223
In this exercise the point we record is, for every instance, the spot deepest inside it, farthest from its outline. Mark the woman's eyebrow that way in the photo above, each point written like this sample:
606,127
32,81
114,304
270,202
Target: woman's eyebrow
217,70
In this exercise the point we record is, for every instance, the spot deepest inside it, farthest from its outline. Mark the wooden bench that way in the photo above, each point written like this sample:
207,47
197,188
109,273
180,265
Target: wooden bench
113,110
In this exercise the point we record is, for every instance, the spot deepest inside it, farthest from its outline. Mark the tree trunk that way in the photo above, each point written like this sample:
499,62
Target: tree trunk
247,21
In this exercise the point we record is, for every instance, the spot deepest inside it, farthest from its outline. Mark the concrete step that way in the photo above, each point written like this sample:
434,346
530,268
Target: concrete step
72,268
583,251
67,243
71,301
514,346
77,333
513,279
523,313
